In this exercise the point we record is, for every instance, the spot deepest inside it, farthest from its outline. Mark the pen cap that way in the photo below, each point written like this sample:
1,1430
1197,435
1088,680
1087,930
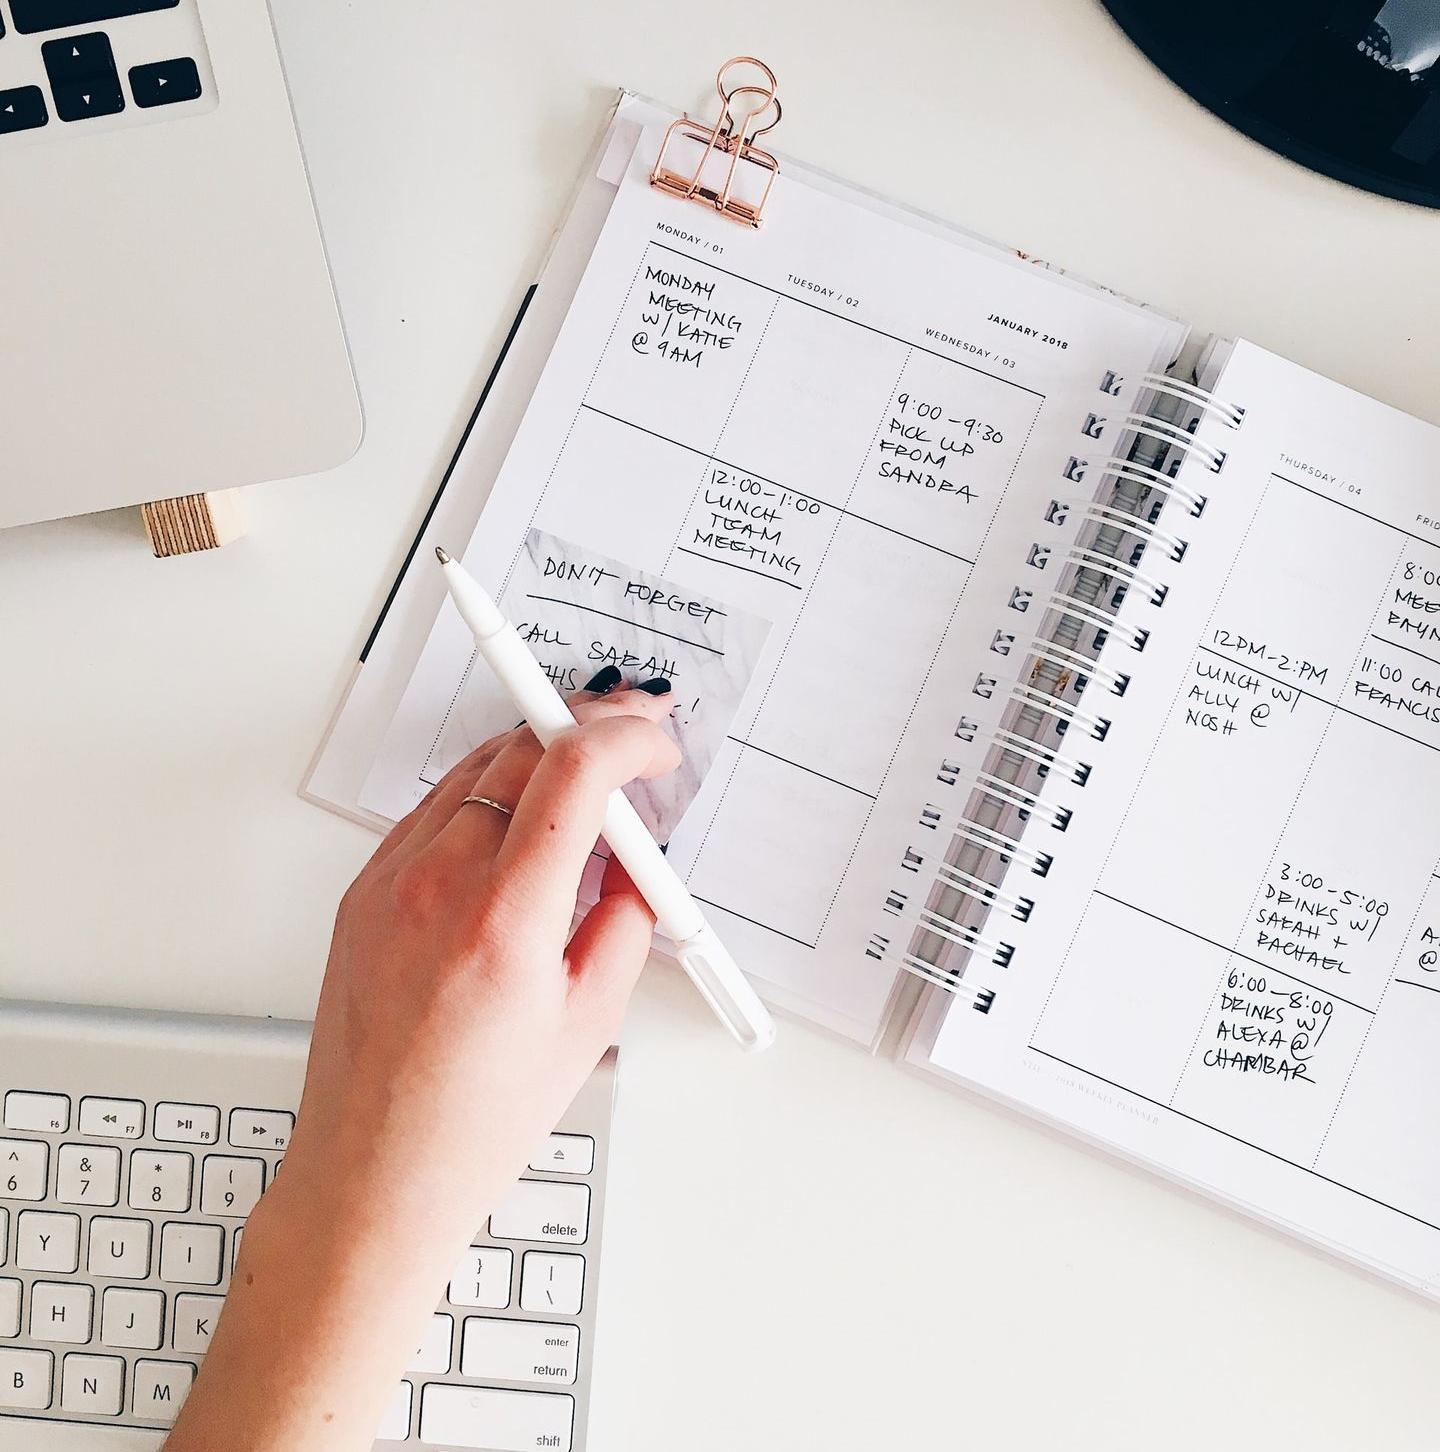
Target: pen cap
721,983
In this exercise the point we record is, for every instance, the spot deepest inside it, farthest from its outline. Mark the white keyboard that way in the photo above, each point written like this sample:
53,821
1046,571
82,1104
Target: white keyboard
133,1146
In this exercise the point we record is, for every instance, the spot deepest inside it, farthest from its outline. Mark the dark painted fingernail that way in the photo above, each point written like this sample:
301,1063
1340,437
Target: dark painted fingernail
605,680
658,687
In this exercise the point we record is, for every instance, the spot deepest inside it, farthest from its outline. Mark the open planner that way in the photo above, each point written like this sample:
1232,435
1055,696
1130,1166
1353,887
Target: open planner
1095,693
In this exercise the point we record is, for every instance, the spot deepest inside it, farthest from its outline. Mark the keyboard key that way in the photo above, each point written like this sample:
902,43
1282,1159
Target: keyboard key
45,1241
495,1350
165,83
37,1113
132,1319
22,108
112,1118
504,1421
187,1123
566,1154
9,1307
160,1180
395,1426
195,1318
230,1186
25,1379
93,1384
119,1248
24,1169
160,1389
267,1129
191,1255
536,1210
87,1175
434,1353
31,16
4,1232
482,1278
61,1312
83,78
552,1284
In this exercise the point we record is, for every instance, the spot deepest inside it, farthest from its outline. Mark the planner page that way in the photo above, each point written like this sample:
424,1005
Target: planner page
842,424
1233,966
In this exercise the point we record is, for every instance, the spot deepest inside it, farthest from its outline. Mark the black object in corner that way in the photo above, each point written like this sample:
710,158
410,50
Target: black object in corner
1350,88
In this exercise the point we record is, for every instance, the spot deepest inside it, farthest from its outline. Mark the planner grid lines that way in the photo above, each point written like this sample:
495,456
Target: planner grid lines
1193,1097
1135,791
744,742
1279,842
612,417
535,510
1237,1139
842,512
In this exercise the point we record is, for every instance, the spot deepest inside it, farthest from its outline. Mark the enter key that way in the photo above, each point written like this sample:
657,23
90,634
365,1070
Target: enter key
496,1350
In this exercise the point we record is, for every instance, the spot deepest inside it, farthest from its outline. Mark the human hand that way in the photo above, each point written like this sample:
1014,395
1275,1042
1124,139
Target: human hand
457,1020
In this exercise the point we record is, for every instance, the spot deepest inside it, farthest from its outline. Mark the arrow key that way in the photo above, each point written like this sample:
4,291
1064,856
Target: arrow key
22,109
83,76
165,83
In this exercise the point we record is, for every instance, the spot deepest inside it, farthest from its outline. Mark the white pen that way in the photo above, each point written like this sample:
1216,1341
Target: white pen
697,945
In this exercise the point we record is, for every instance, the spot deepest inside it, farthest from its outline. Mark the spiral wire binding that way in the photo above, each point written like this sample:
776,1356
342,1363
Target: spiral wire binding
934,932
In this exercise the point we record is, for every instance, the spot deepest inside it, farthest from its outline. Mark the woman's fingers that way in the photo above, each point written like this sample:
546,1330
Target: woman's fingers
426,822
420,825
475,833
609,949
560,814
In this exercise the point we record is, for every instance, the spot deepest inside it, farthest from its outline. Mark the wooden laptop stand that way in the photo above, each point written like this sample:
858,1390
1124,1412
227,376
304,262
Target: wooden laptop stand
193,522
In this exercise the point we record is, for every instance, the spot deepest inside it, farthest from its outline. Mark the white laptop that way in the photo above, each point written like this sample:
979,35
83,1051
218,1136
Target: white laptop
169,325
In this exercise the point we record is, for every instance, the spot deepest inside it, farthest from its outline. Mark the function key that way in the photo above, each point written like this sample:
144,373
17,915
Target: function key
83,76
266,1129
165,83
37,1113
112,1118
187,1123
566,1154
34,15
22,109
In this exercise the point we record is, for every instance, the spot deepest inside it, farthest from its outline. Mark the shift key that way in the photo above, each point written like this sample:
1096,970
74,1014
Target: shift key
501,1421
537,1210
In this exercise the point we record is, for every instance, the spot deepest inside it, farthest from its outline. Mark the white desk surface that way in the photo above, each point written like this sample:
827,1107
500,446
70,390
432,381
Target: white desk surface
812,1250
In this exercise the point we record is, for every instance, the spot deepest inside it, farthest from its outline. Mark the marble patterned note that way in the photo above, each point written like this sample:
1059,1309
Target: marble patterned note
580,611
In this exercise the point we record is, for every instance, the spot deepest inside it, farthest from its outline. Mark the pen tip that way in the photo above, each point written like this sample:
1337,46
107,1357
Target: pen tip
441,555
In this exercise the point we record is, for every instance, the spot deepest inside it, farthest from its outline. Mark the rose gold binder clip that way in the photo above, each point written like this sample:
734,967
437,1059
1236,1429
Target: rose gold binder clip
730,174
